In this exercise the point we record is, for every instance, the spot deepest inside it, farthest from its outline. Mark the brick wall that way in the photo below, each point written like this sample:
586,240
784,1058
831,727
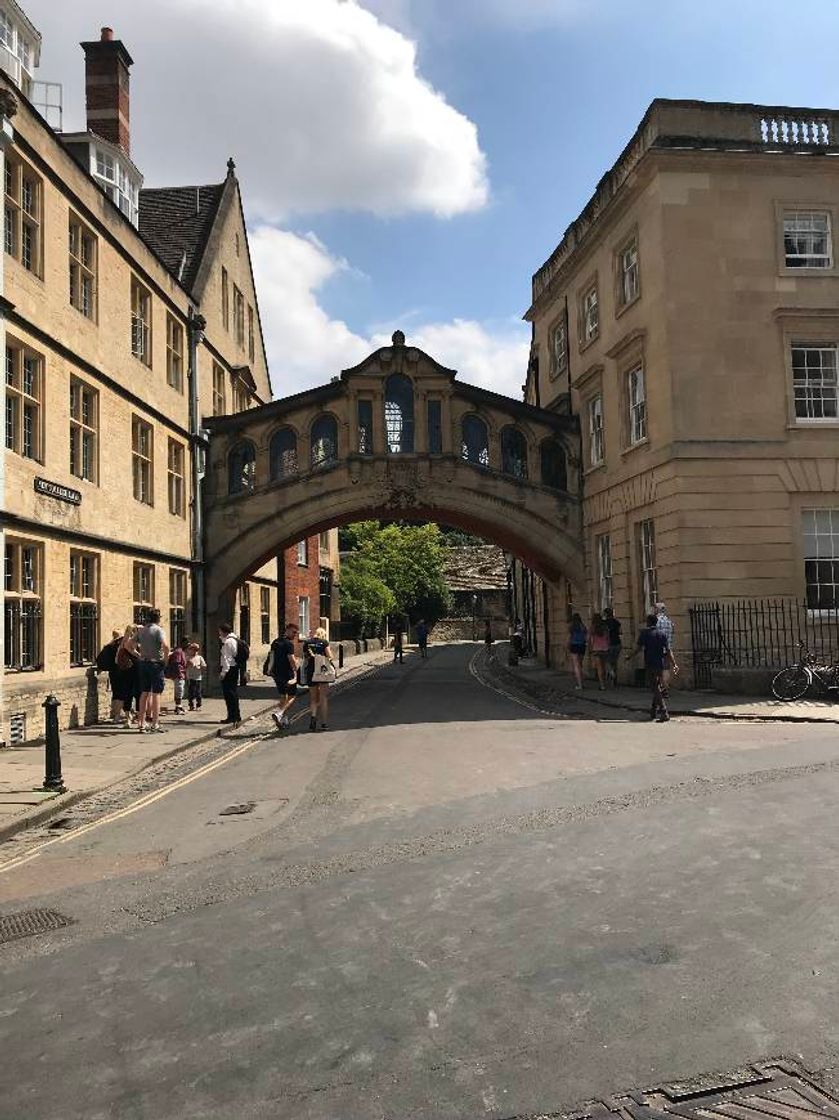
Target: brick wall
303,581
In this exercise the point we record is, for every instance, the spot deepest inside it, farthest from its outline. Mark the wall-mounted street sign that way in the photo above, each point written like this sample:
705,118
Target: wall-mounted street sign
56,490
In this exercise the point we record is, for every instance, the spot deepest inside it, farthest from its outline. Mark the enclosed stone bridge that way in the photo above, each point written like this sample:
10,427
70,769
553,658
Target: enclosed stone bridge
397,437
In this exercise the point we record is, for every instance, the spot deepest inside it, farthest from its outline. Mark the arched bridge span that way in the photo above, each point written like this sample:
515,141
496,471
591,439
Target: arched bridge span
396,437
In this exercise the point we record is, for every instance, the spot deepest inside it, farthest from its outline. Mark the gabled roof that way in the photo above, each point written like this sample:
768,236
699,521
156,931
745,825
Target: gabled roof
176,222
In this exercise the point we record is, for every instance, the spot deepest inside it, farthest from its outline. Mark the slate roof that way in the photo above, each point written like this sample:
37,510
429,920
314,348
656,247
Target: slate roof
175,222
474,568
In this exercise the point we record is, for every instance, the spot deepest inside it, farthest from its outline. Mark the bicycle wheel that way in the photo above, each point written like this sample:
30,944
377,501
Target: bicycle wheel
791,683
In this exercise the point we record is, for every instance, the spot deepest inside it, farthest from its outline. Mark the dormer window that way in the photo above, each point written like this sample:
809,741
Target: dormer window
19,49
120,180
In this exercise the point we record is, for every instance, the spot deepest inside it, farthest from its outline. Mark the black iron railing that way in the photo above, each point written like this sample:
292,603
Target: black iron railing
759,633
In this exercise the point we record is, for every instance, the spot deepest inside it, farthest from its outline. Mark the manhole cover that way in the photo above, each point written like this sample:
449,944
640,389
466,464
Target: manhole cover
238,810
26,923
779,1089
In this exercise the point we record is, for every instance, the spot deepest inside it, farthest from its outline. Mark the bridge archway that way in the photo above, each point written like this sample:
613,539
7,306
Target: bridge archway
340,453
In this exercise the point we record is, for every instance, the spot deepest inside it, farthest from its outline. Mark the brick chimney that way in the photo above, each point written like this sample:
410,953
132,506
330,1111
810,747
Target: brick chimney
107,89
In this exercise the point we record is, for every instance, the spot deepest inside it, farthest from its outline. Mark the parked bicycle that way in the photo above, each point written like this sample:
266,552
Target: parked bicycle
796,680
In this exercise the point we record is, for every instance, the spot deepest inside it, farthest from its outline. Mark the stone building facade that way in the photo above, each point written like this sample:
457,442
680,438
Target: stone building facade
128,315
690,318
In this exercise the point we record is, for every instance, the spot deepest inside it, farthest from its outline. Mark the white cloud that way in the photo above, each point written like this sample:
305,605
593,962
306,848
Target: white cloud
320,102
306,347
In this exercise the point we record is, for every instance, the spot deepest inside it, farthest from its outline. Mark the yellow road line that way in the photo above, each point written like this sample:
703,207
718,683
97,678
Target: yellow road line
156,795
135,806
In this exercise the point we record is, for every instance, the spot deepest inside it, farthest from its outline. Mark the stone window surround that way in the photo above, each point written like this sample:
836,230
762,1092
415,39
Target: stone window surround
785,206
629,354
84,607
812,325
583,291
29,622
630,237
555,371
590,385
798,504
87,431
27,403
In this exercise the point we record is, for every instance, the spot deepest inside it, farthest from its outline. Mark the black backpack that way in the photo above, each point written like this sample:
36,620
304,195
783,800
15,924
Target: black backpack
243,653
106,662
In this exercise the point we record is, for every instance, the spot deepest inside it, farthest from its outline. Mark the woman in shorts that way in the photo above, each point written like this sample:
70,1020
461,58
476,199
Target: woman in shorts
577,641
318,693
599,646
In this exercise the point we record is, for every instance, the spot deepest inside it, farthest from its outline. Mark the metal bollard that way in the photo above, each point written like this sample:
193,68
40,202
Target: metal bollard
340,656
53,780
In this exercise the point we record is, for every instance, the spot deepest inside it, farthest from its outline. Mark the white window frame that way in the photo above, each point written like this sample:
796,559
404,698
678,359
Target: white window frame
596,432
603,547
808,381
303,554
820,547
590,306
628,296
647,563
303,614
559,348
636,402
84,430
795,223
24,396
142,460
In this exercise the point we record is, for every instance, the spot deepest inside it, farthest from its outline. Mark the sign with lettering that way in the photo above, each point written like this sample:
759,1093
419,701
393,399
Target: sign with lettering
56,490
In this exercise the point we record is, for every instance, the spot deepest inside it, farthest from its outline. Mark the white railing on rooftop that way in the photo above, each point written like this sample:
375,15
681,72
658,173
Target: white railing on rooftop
789,130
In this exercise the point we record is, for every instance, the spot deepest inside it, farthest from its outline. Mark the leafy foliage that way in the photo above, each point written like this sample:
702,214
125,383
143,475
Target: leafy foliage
407,560
365,599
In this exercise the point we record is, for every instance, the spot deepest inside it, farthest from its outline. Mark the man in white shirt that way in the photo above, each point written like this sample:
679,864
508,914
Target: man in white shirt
229,673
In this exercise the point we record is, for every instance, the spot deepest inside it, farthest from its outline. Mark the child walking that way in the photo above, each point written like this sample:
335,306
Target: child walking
195,669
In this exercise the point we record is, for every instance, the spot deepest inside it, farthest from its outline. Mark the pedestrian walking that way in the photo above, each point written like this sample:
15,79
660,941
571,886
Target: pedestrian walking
658,658
577,642
196,667
599,646
282,665
398,644
422,638
488,636
106,662
615,644
518,637
125,683
664,623
230,672
154,653
320,673
176,672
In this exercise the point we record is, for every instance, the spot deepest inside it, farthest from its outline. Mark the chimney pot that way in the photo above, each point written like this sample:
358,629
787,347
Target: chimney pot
107,88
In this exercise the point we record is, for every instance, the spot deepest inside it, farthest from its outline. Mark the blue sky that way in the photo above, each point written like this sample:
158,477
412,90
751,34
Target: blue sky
434,215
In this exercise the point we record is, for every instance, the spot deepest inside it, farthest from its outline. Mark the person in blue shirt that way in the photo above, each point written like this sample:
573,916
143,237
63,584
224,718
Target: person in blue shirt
658,658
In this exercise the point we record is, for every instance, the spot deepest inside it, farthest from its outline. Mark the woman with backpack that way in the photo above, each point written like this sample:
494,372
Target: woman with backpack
320,673
577,641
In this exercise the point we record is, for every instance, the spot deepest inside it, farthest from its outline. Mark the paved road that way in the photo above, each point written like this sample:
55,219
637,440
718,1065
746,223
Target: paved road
449,905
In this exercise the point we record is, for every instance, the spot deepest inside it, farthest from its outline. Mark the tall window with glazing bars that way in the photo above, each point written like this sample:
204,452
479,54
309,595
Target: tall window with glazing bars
82,267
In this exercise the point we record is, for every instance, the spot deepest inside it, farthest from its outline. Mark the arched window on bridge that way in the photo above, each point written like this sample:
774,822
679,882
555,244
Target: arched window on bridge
399,414
513,452
324,442
282,454
554,468
475,446
241,468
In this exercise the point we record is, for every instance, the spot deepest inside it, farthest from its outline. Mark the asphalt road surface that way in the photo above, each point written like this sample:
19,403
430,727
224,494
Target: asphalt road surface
447,905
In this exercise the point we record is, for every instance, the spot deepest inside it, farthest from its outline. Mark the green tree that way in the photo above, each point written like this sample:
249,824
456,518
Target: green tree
365,599
408,559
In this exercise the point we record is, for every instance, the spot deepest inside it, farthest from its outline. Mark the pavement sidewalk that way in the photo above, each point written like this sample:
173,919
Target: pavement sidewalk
551,684
96,757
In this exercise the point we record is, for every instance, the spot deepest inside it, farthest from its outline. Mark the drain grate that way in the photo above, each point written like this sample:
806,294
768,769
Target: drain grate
238,810
779,1089
26,923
